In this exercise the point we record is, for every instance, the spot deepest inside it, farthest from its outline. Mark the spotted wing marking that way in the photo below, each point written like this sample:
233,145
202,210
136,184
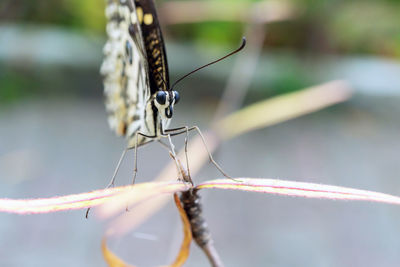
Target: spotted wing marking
126,84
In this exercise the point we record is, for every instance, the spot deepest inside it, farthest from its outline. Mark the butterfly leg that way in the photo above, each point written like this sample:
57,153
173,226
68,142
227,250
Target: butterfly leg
175,158
186,129
186,142
112,181
136,149
186,150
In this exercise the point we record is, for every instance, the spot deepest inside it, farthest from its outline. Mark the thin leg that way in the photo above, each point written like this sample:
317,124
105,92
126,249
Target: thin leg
186,142
171,145
209,154
186,130
136,148
186,151
178,131
112,181
172,151
135,168
87,213
183,172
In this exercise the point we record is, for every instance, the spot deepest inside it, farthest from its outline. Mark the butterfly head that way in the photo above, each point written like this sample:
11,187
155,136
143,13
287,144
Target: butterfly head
165,101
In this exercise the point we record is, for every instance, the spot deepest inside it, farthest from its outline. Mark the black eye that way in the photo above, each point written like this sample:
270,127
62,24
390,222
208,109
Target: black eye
161,97
177,97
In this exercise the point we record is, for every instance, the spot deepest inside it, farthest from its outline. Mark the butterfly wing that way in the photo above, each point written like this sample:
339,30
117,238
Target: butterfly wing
154,45
124,69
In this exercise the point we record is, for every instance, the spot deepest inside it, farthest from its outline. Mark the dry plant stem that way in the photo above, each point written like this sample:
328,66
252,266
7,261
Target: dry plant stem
113,200
191,202
201,234
283,108
212,255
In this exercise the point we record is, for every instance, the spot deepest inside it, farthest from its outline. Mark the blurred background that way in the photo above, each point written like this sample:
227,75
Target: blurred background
54,138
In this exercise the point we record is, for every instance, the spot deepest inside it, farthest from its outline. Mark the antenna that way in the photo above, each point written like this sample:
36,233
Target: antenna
213,62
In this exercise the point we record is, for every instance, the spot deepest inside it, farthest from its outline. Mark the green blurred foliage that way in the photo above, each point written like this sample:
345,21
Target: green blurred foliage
339,26
87,14
367,27
14,85
370,27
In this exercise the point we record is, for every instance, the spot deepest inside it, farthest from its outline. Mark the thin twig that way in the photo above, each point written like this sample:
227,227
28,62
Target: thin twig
191,202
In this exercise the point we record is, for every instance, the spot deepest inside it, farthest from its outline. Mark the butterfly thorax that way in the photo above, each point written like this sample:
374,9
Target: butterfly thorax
158,114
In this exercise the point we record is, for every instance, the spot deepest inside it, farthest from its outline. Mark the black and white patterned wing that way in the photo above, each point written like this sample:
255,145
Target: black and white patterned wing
124,69
154,45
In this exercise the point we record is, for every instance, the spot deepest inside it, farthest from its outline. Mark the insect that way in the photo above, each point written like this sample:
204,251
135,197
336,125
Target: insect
138,97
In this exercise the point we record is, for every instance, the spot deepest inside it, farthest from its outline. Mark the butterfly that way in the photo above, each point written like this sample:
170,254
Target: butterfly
138,99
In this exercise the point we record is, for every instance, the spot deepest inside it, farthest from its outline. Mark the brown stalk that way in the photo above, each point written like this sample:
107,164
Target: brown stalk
191,202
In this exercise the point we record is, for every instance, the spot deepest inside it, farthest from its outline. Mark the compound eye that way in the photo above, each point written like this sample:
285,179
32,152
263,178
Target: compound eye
161,97
177,97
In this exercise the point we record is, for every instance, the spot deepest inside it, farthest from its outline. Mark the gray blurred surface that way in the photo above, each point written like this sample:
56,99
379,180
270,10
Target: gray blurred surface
50,147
